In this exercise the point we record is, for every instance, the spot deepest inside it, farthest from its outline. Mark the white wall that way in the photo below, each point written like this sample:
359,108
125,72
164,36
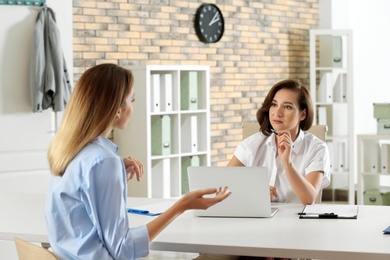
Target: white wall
368,20
24,136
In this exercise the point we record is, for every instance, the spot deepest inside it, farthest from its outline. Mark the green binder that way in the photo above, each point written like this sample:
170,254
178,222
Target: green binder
161,135
186,162
189,90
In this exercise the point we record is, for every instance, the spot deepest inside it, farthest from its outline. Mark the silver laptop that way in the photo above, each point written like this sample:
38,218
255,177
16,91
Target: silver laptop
249,186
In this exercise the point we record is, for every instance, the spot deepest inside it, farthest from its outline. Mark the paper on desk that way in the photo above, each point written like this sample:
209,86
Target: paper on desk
342,211
155,208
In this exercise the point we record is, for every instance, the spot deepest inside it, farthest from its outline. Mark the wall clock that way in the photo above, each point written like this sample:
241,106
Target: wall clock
209,23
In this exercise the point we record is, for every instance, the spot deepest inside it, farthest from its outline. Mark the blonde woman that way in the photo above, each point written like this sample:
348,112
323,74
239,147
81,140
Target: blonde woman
86,202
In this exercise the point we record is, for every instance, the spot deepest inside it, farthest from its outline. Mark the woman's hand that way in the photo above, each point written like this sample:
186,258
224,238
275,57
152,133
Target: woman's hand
192,200
196,200
133,167
273,193
285,145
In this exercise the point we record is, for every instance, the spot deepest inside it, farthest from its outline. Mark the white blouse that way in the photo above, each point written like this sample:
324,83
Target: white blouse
309,154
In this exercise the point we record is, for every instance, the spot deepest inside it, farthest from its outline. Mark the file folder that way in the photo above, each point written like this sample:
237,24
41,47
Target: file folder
161,135
374,150
337,47
340,88
155,92
385,153
329,211
325,89
166,92
189,90
189,130
161,186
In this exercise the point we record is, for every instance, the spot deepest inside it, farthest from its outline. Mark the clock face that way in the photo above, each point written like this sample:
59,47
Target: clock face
209,23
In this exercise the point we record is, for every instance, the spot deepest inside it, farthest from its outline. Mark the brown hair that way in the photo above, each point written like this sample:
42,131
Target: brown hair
304,101
95,101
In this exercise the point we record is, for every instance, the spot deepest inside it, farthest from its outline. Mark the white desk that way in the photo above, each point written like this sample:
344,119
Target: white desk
284,235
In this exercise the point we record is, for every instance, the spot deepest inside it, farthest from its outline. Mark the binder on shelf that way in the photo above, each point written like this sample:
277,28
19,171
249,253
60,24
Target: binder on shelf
187,162
374,151
337,60
339,125
190,134
325,89
385,153
166,92
189,90
340,88
322,119
155,89
162,179
161,135
332,156
342,155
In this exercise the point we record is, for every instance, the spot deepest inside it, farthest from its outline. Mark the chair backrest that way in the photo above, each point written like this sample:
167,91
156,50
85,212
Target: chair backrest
249,128
28,251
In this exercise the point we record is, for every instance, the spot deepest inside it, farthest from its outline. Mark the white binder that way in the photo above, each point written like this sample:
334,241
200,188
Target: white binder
322,116
342,155
374,150
333,163
340,88
189,90
325,90
190,134
162,179
155,93
166,91
385,153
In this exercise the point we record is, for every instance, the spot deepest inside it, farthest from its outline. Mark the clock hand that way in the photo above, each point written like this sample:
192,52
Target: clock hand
215,19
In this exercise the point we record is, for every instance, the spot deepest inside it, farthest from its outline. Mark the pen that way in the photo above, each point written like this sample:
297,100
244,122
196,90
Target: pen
315,215
273,131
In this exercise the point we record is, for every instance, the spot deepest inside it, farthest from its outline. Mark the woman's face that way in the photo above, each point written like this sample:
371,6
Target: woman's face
284,113
125,112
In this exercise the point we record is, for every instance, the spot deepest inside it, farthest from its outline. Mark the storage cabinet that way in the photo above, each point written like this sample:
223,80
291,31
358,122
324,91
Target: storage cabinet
331,89
373,169
169,129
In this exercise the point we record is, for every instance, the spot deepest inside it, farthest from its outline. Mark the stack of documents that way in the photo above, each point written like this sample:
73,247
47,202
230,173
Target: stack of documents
329,211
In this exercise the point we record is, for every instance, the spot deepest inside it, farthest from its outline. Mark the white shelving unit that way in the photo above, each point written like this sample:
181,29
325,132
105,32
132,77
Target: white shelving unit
374,164
169,129
331,89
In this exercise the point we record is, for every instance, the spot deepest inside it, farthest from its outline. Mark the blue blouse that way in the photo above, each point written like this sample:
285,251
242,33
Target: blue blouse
86,212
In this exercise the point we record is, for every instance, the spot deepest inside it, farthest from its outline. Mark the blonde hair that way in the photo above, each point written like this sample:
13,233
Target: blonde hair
92,108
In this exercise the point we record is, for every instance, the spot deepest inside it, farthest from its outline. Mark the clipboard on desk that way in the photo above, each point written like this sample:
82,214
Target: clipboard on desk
329,211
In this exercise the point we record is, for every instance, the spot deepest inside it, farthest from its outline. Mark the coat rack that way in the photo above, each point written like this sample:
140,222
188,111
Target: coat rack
17,2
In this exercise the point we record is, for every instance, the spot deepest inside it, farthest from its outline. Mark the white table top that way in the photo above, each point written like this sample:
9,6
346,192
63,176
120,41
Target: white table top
284,235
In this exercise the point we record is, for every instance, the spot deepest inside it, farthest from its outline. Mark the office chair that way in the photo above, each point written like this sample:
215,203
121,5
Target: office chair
249,128
28,251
